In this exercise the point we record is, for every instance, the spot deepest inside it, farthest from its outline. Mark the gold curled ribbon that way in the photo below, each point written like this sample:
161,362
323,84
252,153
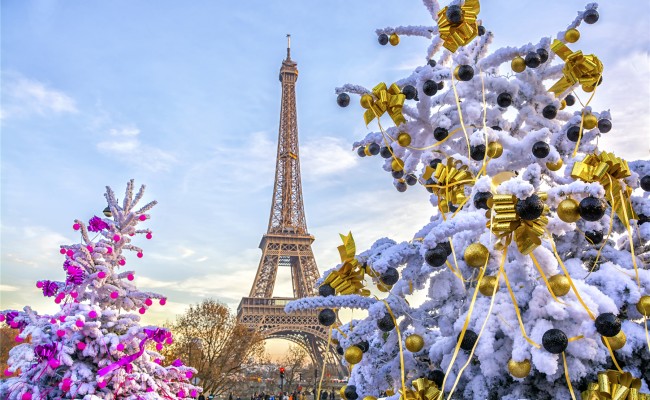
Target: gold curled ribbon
452,178
383,100
349,278
506,223
456,35
578,68
424,390
608,170
613,385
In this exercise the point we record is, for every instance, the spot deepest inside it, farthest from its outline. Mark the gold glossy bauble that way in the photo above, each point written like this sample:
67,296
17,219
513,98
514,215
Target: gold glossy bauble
519,369
397,164
615,342
562,104
554,166
383,287
414,343
394,39
518,64
107,212
456,72
403,139
335,341
568,210
476,255
353,355
559,285
494,150
366,101
590,121
588,89
342,392
644,305
572,35
487,284
502,177
366,151
370,398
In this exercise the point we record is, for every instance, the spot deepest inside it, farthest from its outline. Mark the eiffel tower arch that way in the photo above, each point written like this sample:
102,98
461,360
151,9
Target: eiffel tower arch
287,243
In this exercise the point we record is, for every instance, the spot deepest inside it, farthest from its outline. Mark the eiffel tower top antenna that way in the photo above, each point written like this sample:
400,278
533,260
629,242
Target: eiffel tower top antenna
288,46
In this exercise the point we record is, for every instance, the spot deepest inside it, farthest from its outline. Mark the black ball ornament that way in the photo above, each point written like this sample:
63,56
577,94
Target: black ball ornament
549,112
436,376
361,151
608,324
436,256
541,149
555,341
481,30
465,73
401,187
469,339
592,208
454,14
340,350
532,60
384,152
363,345
383,39
531,208
441,85
386,323
645,183
446,246
573,133
594,237
430,87
481,199
432,63
643,219
591,16
477,152
397,174
389,277
343,99
351,392
440,133
373,148
496,128
428,184
543,55
327,317
434,163
326,290
570,100
409,92
411,179
504,99
604,125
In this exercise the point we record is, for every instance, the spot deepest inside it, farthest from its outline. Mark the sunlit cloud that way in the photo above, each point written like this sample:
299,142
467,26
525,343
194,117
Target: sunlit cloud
24,97
126,147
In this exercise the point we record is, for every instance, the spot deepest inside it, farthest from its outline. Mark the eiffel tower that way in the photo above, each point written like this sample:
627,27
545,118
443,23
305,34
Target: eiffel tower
287,244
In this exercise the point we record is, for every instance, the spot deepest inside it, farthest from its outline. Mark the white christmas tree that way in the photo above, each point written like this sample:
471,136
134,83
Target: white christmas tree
94,346
534,257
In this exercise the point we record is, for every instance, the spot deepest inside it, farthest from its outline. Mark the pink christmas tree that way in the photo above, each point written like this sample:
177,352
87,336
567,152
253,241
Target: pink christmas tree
94,347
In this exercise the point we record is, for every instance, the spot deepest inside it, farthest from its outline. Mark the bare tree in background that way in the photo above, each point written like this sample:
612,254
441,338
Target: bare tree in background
293,363
7,343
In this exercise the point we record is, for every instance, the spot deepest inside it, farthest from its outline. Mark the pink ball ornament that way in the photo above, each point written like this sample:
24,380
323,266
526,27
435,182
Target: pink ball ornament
193,392
54,363
8,373
74,295
79,323
18,339
149,235
142,217
101,274
122,262
57,300
65,384
60,333
163,301
109,250
181,394
39,284
169,341
92,314
148,302
159,346
189,374
76,227
81,345
13,324
101,384
26,396
140,255
157,361
2,318
89,248
114,295
62,318
62,251
53,321
116,238
120,347
130,277
70,253
142,310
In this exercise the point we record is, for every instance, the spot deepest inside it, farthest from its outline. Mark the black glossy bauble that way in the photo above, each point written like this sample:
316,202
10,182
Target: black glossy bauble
594,237
363,345
604,125
326,290
531,208
541,149
411,179
645,183
543,55
643,219
430,87
496,128
441,85
469,339
327,317
383,39
432,63
409,92
343,99
386,323
390,276
434,163
590,16
397,174
608,324
440,133
549,112
351,392
480,200
481,30
401,187
340,350
446,246
504,99
436,256
428,183
592,208
373,148
555,341
573,133
385,152
454,14
465,73
570,100
532,60
477,152
436,376
361,151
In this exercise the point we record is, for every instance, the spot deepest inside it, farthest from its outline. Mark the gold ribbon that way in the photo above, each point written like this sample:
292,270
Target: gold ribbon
424,390
506,222
578,68
613,385
349,278
452,179
608,170
456,35
384,100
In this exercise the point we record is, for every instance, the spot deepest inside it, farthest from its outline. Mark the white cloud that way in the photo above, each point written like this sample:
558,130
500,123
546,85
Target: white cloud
23,97
125,145
326,156
8,288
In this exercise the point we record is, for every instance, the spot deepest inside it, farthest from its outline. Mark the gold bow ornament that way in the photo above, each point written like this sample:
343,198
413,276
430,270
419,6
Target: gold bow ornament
349,278
504,222
451,180
424,390
456,35
578,68
383,100
608,170
613,385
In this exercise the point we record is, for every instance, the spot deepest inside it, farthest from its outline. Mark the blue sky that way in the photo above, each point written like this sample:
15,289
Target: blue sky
184,97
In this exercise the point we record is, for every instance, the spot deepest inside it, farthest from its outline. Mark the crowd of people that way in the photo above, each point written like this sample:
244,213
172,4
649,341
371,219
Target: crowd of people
325,395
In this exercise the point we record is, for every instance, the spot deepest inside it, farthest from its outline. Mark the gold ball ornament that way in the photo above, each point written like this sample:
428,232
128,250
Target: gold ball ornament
502,177
394,39
414,343
518,64
568,210
107,212
397,164
476,255
404,139
487,284
366,151
559,285
554,166
519,369
615,342
366,101
383,287
644,305
572,35
353,355
494,150
342,392
590,121
370,398
562,104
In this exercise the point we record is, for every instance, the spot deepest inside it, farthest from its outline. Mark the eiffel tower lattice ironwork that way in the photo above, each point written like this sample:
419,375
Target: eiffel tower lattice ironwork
287,244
